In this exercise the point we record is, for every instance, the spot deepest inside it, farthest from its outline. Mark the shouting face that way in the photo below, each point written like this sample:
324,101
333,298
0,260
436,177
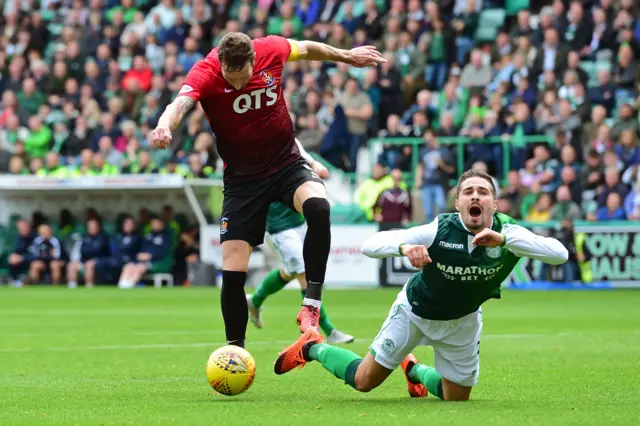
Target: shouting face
476,202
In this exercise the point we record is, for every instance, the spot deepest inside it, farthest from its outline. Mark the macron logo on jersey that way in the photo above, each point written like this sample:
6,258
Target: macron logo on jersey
451,245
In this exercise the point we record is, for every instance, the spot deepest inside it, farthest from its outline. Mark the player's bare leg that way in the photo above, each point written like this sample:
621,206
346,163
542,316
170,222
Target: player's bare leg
136,272
310,199
235,263
35,271
56,271
363,375
128,276
72,274
455,392
89,273
437,385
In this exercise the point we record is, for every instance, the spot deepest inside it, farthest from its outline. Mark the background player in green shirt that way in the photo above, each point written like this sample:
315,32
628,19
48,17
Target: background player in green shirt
285,234
464,258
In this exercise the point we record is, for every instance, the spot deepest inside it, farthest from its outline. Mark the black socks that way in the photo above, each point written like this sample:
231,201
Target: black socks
317,244
234,306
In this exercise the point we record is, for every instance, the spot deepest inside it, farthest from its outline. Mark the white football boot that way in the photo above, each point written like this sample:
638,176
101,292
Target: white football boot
255,314
338,337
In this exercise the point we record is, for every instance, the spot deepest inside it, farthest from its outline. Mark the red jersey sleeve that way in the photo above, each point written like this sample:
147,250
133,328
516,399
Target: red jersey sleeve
275,45
198,83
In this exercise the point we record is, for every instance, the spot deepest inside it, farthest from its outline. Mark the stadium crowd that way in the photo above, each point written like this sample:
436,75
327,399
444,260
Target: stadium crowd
84,82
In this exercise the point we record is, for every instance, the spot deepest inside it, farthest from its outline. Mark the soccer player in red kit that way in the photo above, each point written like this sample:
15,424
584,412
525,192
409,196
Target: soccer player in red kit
239,85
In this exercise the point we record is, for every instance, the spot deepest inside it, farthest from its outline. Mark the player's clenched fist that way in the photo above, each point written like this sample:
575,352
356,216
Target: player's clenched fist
488,238
417,255
160,137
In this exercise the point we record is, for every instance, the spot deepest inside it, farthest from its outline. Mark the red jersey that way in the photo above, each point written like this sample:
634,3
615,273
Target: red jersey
253,129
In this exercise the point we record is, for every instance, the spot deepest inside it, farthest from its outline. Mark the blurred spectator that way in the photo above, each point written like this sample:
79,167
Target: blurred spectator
358,110
475,74
94,245
187,255
368,192
565,208
48,256
611,185
541,211
394,204
432,174
154,256
611,211
37,143
20,259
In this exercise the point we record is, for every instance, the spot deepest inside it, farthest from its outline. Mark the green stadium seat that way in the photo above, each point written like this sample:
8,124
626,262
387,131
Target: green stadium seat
514,6
492,18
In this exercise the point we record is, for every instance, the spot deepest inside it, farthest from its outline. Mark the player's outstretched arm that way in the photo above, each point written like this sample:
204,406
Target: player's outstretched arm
170,119
387,243
522,242
363,56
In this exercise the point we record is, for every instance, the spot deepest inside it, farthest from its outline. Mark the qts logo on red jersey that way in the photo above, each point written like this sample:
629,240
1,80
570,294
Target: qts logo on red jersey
256,98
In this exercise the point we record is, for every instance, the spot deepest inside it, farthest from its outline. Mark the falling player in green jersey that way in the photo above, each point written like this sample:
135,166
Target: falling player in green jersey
464,258
285,234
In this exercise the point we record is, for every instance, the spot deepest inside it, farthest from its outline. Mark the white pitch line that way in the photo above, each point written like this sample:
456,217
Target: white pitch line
143,346
278,342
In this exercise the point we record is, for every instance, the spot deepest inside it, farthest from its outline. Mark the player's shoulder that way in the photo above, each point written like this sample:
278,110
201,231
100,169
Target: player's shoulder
269,42
501,219
271,48
446,219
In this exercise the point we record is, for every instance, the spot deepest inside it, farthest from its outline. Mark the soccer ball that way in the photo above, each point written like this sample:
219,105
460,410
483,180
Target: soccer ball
231,370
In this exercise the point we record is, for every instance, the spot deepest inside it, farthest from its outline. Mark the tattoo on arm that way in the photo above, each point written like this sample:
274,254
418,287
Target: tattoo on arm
185,104
175,112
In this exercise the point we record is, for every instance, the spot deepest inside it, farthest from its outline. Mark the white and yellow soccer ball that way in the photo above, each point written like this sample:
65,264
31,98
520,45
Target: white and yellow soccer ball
231,370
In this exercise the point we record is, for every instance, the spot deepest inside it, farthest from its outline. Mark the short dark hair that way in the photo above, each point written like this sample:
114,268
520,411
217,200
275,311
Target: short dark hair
234,51
471,173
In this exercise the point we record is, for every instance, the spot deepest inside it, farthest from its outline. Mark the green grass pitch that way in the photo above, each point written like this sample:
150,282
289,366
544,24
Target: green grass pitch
110,357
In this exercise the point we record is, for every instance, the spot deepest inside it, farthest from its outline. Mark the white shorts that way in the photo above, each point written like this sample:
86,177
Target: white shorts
456,343
288,247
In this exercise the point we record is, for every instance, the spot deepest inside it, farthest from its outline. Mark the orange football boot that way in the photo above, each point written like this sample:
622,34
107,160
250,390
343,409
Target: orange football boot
416,390
293,356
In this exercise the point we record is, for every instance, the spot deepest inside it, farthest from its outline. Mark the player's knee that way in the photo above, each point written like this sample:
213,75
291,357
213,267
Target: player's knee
317,211
235,256
365,384
454,392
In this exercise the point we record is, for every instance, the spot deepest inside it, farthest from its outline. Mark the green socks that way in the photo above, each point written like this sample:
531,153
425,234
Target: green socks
271,284
324,323
429,377
342,363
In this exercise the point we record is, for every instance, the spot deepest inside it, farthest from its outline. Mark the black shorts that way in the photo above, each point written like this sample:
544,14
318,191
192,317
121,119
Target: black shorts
245,205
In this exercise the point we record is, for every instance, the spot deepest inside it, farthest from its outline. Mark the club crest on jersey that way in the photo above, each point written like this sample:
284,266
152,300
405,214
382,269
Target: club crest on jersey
493,252
267,77
224,225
